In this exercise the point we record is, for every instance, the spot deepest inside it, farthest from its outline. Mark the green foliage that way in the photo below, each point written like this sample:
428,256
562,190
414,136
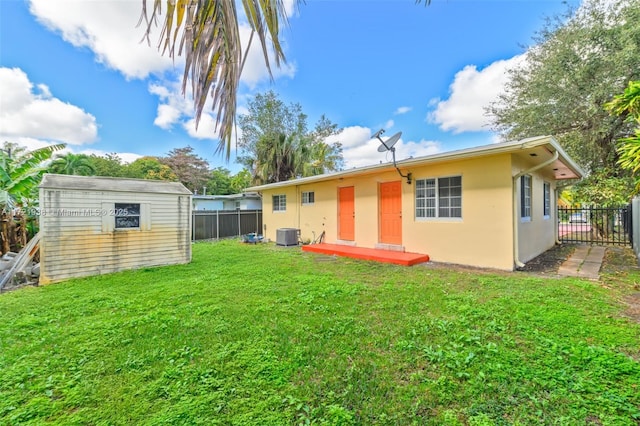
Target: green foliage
149,168
627,105
580,60
21,172
108,165
603,190
72,164
189,168
260,335
276,146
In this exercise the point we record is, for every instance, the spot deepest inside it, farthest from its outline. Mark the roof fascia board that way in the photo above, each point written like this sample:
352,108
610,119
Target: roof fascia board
485,150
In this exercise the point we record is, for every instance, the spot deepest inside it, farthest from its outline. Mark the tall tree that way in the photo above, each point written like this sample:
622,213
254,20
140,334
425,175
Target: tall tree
191,170
72,164
240,181
580,61
275,144
149,168
107,165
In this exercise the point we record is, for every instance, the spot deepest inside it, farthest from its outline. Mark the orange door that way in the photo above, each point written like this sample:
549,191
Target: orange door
346,214
391,212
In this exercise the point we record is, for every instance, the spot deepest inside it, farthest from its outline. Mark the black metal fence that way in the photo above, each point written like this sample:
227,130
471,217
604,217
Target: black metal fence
214,224
596,225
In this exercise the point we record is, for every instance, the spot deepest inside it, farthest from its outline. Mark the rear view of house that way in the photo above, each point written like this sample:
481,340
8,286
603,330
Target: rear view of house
98,225
491,206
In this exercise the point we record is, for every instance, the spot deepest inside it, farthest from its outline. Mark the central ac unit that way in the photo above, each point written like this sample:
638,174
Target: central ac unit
287,236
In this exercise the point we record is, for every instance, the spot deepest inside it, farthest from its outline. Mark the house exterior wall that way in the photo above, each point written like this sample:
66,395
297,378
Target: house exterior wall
250,204
536,233
199,204
79,236
482,237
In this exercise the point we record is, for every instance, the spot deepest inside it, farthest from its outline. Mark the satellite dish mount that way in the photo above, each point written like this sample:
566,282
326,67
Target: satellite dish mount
388,145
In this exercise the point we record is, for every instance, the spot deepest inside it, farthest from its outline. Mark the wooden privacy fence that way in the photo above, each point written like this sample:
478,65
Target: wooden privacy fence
214,224
596,225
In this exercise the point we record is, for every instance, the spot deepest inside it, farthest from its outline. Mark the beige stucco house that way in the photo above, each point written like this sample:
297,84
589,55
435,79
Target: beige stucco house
491,206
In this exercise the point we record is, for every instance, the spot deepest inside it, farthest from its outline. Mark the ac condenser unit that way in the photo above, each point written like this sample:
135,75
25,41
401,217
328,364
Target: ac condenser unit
287,237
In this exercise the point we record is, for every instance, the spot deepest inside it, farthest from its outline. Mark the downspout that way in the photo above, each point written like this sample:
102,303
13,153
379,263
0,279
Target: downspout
516,219
556,194
298,207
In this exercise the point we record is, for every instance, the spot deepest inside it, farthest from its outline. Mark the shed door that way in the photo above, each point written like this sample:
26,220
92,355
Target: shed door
391,212
346,213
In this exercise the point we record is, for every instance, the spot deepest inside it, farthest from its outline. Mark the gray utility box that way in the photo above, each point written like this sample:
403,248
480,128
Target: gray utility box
287,236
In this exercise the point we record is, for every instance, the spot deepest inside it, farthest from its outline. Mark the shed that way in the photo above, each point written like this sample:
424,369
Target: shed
99,225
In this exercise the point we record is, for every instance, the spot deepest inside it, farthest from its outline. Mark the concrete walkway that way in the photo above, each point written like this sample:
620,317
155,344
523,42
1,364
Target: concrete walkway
585,262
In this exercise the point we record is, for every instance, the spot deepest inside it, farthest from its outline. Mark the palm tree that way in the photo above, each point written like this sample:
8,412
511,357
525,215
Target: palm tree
72,164
207,32
21,172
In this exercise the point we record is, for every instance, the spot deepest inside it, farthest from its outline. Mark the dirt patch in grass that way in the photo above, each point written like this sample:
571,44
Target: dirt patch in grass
548,262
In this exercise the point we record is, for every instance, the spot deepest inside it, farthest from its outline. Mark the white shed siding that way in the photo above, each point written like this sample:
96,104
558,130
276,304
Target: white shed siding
79,236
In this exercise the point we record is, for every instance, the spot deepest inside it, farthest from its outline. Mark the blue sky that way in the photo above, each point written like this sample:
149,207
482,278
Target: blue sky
74,71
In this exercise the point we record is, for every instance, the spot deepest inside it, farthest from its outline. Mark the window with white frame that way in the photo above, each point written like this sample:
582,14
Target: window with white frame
279,203
308,197
547,200
439,197
525,197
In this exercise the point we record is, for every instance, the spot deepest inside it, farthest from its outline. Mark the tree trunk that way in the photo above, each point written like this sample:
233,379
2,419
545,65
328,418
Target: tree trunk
4,233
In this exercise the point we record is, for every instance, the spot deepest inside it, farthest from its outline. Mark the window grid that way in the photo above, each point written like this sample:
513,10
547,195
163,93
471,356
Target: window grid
439,197
525,197
547,199
308,197
279,203
127,215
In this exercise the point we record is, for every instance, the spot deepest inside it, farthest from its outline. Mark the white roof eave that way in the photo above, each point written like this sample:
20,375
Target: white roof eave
480,151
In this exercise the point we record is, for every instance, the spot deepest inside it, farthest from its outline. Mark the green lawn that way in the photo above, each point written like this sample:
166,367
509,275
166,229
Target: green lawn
260,335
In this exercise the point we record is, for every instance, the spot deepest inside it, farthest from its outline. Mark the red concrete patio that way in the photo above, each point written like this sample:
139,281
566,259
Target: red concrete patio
376,255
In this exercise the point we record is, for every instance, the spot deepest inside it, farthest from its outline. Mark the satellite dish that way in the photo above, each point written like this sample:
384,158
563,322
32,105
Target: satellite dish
389,143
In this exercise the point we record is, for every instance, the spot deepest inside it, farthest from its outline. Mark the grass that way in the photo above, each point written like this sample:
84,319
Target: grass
260,335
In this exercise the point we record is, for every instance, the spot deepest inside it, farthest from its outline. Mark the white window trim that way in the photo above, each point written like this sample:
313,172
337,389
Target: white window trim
437,206
525,219
273,207
546,185
307,203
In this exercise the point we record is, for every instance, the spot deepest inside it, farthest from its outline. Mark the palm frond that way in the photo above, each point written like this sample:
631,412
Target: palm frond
207,33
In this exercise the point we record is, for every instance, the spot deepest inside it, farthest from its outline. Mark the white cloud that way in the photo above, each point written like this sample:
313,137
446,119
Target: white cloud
206,128
255,69
402,110
470,93
30,112
109,29
360,149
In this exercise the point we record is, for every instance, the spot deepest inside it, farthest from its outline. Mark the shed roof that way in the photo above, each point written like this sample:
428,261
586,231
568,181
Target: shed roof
112,184
534,150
